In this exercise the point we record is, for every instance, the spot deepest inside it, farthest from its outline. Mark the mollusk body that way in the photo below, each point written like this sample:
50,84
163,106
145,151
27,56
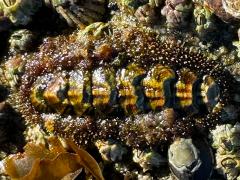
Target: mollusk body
133,89
152,95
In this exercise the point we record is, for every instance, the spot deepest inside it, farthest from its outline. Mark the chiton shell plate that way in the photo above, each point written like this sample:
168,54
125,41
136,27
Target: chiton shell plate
154,94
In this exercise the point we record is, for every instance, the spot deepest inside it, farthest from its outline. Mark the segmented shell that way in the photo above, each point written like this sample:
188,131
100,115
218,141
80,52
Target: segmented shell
154,94
133,89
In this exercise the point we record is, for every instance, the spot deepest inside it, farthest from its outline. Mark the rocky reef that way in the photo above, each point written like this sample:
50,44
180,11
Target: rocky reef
143,86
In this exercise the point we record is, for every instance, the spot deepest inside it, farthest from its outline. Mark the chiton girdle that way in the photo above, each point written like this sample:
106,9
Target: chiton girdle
161,90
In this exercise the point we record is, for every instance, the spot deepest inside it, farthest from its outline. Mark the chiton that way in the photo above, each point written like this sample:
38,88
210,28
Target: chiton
132,89
127,85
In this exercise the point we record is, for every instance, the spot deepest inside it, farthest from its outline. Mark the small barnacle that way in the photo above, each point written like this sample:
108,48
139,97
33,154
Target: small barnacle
146,14
203,19
177,12
148,159
21,40
229,166
19,11
79,13
190,159
225,139
111,151
144,10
